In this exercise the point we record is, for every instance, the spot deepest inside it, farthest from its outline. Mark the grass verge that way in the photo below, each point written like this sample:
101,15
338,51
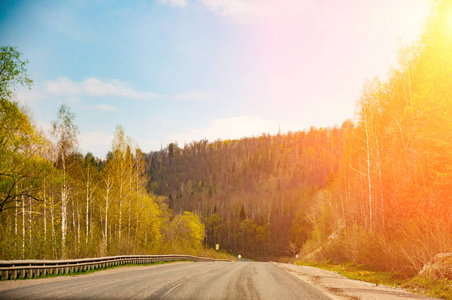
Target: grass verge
211,253
420,285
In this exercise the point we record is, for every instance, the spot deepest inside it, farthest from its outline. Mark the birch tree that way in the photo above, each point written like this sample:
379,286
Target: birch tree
65,133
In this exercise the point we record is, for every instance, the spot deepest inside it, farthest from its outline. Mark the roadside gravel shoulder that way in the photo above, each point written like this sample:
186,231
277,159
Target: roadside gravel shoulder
12,284
339,287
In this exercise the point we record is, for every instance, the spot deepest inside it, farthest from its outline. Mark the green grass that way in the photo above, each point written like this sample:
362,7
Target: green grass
420,285
430,287
95,270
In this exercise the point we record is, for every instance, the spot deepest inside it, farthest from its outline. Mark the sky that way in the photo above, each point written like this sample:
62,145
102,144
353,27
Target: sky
185,70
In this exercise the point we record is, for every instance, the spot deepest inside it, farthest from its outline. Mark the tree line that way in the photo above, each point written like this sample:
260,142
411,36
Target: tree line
57,203
390,204
252,194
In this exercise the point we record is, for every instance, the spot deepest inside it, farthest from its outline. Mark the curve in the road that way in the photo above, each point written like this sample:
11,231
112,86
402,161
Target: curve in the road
207,280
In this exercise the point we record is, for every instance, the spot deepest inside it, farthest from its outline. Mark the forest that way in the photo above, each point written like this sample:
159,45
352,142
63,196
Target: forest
56,203
376,190
254,193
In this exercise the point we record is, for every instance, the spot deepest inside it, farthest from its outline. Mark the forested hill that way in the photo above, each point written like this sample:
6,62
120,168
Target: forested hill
388,201
248,192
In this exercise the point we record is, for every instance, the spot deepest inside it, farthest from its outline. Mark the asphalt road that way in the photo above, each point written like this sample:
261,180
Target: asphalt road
202,280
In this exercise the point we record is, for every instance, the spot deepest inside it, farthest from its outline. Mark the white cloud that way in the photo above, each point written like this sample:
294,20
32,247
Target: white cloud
231,8
26,96
191,95
260,10
94,87
176,3
106,107
233,128
73,101
96,142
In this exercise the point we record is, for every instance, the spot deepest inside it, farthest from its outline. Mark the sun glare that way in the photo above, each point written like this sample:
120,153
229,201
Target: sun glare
449,20
415,19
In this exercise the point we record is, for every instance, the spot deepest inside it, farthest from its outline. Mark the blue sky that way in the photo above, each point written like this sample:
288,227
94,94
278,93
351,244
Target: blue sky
184,70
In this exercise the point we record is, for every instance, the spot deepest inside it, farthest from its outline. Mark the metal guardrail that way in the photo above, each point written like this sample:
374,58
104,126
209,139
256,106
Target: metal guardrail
13,269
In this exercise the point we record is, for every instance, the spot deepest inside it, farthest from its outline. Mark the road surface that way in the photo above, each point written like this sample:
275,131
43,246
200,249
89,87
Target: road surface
202,280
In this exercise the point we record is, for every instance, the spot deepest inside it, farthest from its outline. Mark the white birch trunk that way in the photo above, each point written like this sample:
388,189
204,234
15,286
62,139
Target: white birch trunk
369,181
30,223
107,204
120,208
63,219
45,214
87,208
23,228
52,218
15,225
